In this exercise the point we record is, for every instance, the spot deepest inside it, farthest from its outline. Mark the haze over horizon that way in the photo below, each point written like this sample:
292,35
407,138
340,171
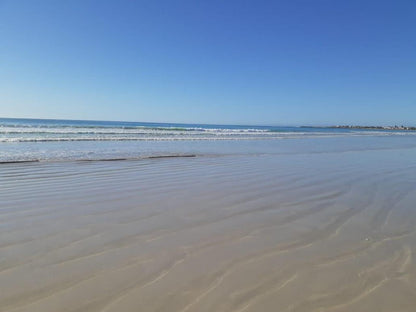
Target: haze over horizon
253,63
216,124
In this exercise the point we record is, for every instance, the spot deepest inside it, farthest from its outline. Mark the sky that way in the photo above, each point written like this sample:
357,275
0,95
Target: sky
293,62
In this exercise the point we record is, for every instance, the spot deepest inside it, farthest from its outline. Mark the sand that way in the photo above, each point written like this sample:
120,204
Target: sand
305,232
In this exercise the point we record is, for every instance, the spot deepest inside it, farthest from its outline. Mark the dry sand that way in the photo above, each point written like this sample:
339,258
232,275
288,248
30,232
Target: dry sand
313,232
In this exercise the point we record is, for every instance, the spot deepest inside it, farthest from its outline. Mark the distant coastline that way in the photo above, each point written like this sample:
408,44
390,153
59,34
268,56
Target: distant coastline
365,127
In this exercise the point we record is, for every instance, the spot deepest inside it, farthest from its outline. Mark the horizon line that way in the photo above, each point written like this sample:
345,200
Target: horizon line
217,124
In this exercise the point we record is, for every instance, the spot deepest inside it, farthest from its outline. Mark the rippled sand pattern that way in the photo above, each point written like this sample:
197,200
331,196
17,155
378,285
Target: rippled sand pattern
332,232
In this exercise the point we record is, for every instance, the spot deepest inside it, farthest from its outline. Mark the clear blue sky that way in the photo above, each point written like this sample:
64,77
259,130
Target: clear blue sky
246,62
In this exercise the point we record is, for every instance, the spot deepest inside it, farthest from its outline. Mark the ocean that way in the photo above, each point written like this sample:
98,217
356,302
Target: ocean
56,140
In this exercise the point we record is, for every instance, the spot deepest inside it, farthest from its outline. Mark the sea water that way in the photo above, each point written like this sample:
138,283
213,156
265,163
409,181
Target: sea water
47,139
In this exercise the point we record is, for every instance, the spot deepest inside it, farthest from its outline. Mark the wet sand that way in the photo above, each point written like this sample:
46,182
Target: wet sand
305,232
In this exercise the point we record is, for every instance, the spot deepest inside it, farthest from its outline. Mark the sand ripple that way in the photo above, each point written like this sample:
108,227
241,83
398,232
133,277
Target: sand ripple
243,233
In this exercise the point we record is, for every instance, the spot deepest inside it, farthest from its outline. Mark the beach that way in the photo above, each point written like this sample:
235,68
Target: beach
306,225
207,156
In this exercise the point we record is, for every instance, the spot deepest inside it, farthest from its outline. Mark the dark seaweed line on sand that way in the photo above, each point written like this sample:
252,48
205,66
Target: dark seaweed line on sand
7,162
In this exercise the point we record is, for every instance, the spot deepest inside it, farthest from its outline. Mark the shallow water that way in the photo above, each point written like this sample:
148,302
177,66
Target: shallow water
60,140
322,224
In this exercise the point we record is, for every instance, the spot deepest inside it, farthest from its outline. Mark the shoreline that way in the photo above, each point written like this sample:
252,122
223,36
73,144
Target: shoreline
397,128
